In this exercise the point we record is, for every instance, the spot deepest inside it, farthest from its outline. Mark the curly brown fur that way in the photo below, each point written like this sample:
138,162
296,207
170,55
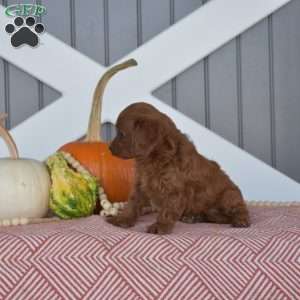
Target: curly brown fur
172,176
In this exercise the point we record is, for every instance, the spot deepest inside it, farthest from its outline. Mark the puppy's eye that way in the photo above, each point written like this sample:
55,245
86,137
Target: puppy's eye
121,134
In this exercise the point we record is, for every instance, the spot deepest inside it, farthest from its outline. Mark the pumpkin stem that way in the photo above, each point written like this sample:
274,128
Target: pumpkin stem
94,129
3,116
8,138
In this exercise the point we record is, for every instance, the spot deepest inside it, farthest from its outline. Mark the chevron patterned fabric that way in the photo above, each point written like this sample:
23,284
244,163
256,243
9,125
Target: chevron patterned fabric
90,259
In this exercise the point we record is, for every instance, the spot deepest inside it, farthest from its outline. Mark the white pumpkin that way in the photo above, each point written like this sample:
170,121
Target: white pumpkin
24,184
24,188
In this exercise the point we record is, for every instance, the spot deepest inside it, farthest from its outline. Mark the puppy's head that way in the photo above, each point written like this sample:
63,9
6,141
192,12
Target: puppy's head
140,129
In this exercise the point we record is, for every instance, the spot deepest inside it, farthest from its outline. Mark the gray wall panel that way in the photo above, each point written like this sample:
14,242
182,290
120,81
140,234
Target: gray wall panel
155,17
287,88
90,29
223,92
2,79
89,24
2,87
164,92
190,98
255,91
122,16
183,8
57,22
106,132
121,36
49,95
247,91
113,131
190,93
40,95
23,95
4,90
169,92
58,19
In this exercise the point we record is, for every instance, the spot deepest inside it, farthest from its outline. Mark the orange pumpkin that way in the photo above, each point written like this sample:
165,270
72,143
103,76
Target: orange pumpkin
116,175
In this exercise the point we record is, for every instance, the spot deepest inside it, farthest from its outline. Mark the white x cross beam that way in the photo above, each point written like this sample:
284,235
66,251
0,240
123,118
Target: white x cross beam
160,59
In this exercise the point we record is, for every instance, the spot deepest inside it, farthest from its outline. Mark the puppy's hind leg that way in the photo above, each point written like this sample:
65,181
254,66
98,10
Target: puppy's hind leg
235,209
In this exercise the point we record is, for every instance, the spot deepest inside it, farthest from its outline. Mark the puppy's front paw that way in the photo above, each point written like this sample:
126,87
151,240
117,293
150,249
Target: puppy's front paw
121,221
240,225
157,228
241,222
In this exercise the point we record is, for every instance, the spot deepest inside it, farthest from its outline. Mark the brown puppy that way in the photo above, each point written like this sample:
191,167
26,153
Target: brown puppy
172,177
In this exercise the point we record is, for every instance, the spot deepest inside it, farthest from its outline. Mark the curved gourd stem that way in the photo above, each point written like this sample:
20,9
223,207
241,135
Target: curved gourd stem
13,151
94,129
3,116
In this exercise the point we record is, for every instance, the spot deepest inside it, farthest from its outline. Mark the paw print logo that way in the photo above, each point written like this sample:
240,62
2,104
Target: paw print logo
24,31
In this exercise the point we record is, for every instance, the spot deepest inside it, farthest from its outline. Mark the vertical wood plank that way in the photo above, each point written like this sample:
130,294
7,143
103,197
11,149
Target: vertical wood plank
120,36
206,86
164,92
89,20
170,92
6,94
173,80
239,92
206,92
139,23
108,131
184,8
89,29
57,22
73,28
255,91
2,87
112,131
122,28
223,92
23,95
158,9
287,92
2,94
272,91
23,92
49,95
190,98
190,93
3,90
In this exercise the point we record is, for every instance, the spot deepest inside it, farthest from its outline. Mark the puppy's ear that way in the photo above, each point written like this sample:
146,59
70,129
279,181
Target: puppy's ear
169,146
147,132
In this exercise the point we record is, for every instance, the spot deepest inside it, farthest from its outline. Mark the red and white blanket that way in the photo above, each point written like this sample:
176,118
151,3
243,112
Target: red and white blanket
90,259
